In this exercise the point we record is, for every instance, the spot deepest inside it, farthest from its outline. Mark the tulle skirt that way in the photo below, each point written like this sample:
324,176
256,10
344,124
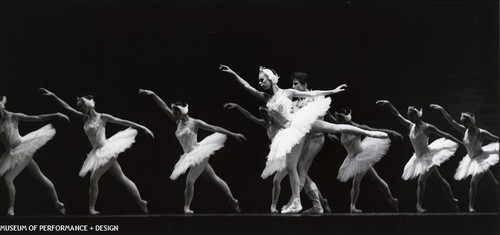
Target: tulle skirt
204,150
286,138
440,150
372,150
115,145
23,152
478,164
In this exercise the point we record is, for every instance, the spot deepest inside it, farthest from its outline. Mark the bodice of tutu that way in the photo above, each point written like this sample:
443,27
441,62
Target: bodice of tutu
351,143
473,144
300,103
95,131
187,138
9,133
419,140
280,108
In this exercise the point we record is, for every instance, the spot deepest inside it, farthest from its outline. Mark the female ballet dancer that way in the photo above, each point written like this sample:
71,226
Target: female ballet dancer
479,158
20,149
271,129
361,156
287,145
104,154
427,157
196,154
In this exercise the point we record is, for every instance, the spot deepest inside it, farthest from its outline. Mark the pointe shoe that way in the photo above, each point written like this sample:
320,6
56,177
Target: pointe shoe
393,202
60,208
273,209
420,209
144,207
235,205
472,210
188,211
295,207
10,212
355,210
92,211
326,206
454,204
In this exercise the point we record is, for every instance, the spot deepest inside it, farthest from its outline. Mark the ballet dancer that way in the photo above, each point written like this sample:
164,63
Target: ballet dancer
104,154
361,156
196,154
20,150
479,158
427,157
286,146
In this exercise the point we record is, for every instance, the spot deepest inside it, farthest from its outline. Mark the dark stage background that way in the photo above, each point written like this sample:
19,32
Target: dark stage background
411,53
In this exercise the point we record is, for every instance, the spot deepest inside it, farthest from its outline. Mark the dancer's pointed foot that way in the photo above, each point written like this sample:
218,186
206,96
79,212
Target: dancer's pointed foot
295,207
273,209
92,211
394,204
60,207
144,206
235,204
10,211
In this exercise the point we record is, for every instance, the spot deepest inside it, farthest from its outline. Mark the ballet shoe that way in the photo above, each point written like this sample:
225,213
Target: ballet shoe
313,210
144,206
355,210
188,211
273,209
326,206
420,209
60,208
295,207
92,211
454,204
394,204
235,204
10,212
472,210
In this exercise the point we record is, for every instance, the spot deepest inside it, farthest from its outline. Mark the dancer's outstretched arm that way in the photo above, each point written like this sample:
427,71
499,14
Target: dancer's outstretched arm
160,102
395,134
38,118
395,112
109,118
258,94
205,126
245,113
448,118
441,133
297,93
488,135
65,105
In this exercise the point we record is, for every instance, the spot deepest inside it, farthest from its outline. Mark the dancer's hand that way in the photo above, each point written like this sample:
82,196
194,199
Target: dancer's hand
230,105
340,88
225,68
60,115
146,92
436,106
46,92
333,138
382,102
239,136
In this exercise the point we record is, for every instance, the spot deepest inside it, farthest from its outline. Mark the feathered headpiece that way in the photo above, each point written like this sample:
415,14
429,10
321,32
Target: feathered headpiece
184,110
418,112
470,116
345,115
270,75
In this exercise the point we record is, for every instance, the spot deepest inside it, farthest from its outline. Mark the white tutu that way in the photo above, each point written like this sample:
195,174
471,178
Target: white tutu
439,151
115,145
478,164
372,150
204,150
23,152
286,138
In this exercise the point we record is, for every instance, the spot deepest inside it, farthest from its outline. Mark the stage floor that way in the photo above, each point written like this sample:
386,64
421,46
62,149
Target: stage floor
335,223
